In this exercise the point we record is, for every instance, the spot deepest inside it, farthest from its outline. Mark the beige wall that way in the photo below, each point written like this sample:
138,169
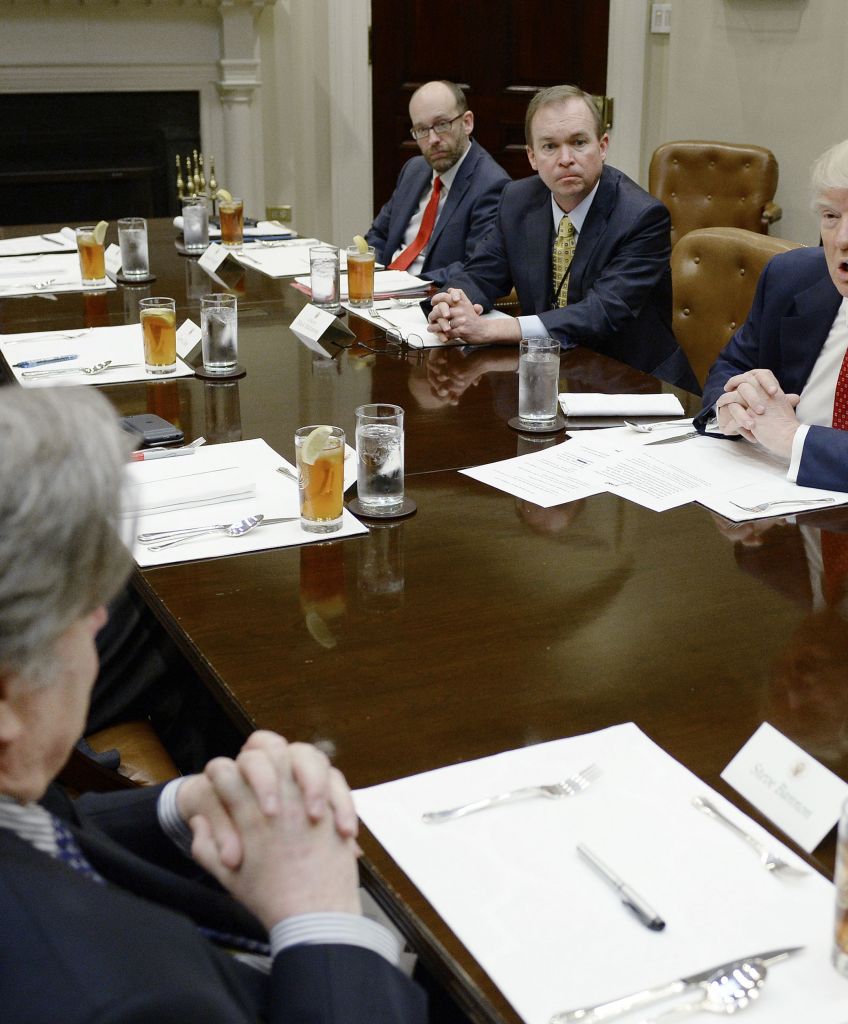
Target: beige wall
772,72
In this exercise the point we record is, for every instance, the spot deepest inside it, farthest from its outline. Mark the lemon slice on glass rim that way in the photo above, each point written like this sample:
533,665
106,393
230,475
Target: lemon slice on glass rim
99,233
360,243
314,444
223,195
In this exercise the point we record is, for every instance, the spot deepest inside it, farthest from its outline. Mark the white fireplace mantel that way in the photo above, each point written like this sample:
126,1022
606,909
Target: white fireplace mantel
207,46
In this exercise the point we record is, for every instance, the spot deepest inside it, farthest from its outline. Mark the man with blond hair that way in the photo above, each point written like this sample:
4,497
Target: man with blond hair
782,379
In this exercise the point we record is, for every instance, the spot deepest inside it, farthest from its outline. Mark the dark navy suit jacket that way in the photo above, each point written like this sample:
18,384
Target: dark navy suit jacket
619,286
794,308
466,216
130,952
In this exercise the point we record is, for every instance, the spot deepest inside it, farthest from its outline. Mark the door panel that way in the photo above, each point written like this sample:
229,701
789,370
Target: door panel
499,51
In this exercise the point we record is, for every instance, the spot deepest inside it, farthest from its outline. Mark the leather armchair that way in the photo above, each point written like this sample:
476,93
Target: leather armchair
714,273
715,184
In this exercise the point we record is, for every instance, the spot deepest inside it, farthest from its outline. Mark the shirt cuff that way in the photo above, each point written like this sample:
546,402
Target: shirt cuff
170,820
333,928
531,327
797,452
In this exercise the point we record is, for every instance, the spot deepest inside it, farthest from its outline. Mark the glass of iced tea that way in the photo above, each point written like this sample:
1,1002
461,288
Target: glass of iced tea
231,213
360,275
320,470
158,318
92,256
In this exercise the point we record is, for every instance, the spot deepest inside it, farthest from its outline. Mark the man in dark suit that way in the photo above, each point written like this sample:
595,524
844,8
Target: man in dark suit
445,200
586,249
229,896
782,379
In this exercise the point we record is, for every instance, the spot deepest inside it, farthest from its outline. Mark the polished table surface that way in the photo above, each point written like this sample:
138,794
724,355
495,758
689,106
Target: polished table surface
482,623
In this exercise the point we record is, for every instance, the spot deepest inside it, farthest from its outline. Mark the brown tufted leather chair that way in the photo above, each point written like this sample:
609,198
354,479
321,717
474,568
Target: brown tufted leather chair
715,184
714,273
144,760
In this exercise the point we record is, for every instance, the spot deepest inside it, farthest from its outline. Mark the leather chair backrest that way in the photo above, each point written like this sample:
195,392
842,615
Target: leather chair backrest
715,184
714,273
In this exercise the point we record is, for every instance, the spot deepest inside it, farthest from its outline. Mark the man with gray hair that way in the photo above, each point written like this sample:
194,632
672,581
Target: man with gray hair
586,249
107,914
782,379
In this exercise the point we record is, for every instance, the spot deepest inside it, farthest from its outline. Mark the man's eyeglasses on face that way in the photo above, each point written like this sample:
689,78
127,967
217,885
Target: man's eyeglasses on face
440,128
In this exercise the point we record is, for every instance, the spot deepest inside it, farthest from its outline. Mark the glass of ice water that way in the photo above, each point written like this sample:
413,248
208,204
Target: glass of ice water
132,238
538,382
219,333
324,277
195,225
379,459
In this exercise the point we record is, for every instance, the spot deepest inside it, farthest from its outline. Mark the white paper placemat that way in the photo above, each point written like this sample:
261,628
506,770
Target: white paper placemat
410,321
120,344
285,259
50,241
50,272
551,934
275,496
386,282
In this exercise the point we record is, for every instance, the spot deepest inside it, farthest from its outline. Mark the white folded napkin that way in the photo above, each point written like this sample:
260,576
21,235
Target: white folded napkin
620,405
191,490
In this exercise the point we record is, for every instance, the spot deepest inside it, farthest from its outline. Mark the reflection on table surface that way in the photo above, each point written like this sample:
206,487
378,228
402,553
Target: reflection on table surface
482,623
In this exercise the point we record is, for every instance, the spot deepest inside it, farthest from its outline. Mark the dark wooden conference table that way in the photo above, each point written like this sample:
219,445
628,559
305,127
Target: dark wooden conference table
482,623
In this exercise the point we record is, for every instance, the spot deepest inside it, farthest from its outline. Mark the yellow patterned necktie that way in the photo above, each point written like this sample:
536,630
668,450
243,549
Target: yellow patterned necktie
564,246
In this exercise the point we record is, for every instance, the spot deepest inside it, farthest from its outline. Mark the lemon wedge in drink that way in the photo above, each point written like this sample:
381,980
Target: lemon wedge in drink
224,195
314,445
100,231
360,243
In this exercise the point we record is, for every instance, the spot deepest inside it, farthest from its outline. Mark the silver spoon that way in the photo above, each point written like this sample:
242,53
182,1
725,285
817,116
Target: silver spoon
646,428
726,992
237,529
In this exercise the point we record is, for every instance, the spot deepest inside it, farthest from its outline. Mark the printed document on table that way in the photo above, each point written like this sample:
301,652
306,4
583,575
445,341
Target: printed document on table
743,473
547,478
284,259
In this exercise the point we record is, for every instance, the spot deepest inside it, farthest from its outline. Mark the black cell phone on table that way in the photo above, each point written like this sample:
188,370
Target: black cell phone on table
150,430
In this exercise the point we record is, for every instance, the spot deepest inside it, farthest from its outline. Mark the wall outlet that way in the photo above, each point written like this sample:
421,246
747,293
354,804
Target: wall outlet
281,213
661,19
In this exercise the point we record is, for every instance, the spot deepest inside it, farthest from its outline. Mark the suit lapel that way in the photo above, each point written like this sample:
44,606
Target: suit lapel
593,230
419,179
803,336
538,232
460,186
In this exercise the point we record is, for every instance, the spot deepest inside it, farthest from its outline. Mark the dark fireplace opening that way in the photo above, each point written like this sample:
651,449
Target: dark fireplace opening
94,156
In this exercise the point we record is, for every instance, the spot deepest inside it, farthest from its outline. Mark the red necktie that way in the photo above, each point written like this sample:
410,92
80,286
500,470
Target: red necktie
835,545
840,397
411,253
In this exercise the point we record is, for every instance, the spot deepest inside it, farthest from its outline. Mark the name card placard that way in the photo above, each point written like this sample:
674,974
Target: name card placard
788,786
311,323
188,336
213,257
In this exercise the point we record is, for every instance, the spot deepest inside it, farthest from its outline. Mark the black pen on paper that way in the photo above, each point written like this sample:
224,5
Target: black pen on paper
632,900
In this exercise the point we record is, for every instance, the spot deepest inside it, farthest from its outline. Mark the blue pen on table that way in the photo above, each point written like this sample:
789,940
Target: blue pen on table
28,364
643,911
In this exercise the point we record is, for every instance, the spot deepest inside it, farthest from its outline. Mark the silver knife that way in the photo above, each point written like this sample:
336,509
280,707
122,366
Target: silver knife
672,440
606,1011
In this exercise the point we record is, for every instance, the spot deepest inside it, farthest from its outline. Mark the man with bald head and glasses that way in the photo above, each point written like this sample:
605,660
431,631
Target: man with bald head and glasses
445,200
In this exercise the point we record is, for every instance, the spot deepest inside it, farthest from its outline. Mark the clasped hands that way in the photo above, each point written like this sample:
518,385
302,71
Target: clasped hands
276,827
755,407
454,317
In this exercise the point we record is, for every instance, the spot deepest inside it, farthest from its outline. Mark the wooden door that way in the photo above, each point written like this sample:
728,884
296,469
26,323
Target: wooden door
499,51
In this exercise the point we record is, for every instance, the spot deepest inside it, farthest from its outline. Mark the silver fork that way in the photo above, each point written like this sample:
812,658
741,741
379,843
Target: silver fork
770,861
36,285
646,428
763,505
571,786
